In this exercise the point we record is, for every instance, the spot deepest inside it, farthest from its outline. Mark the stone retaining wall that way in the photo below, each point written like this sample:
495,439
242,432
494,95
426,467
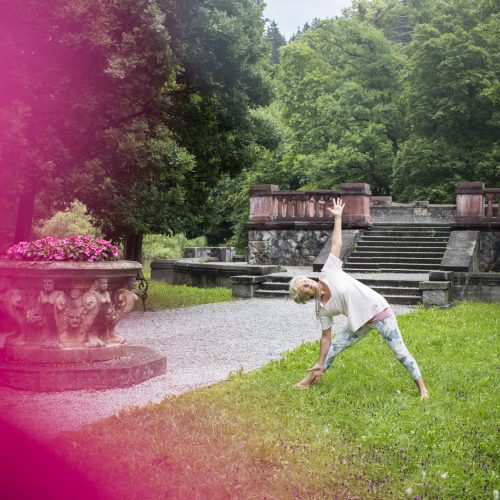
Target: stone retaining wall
480,287
447,287
489,251
301,247
291,247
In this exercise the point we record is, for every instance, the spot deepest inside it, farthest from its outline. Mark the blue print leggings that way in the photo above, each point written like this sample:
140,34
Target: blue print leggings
389,331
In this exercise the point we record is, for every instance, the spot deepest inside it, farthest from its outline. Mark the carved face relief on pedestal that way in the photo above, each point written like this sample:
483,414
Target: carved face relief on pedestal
35,317
48,285
131,283
101,285
74,317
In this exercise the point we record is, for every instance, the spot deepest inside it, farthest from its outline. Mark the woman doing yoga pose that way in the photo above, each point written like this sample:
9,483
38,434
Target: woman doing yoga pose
338,293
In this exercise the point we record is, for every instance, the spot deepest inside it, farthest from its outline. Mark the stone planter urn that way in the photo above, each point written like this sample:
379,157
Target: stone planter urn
61,318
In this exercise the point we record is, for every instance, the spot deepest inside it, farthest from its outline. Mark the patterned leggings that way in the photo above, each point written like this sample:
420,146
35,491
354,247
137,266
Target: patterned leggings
389,330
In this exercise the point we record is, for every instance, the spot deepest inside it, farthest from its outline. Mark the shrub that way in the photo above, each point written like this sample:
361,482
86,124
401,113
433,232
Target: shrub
63,224
169,247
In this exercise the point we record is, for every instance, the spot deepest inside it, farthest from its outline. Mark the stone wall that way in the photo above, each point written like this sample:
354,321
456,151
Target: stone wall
301,247
489,251
420,212
291,247
197,272
222,254
480,287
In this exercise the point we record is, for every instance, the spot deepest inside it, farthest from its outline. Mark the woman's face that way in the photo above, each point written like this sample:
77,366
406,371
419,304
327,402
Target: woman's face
308,287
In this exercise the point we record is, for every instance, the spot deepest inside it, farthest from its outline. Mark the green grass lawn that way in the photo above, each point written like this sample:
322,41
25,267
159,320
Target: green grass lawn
163,295
362,433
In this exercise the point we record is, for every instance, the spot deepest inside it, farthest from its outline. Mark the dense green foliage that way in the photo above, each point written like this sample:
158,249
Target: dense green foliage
159,246
401,95
362,433
73,221
337,84
78,87
134,107
159,115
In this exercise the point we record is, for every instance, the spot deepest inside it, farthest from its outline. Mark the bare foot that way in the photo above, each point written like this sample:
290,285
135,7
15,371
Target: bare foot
424,394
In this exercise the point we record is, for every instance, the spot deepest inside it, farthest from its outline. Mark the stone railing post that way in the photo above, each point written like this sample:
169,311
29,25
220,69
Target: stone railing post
470,202
357,203
492,195
262,203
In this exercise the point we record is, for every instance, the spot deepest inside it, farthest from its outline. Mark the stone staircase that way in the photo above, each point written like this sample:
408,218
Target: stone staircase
276,286
399,248
390,258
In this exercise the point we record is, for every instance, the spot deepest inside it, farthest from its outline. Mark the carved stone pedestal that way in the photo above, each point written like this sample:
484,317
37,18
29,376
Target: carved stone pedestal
137,365
34,354
63,316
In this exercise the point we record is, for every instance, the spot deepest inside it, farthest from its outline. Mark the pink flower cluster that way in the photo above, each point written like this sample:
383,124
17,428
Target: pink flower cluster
77,248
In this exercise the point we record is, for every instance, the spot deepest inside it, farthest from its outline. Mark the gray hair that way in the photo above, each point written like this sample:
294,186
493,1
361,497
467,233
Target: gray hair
296,292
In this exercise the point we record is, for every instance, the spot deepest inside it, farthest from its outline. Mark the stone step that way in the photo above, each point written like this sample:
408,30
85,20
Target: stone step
401,295
397,290
398,250
409,300
396,266
385,270
399,244
271,294
405,239
411,224
374,253
371,281
238,258
280,278
274,285
388,282
416,234
362,258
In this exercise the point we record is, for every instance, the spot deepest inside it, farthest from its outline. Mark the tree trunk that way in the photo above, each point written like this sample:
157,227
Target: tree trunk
133,247
24,220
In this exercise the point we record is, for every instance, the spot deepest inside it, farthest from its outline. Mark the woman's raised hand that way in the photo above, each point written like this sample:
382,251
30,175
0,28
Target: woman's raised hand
338,207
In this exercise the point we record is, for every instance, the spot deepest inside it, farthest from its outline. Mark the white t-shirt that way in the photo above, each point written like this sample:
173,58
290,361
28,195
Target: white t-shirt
348,296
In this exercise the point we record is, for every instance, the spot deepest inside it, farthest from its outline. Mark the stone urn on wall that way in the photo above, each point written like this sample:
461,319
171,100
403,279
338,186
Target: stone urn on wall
62,318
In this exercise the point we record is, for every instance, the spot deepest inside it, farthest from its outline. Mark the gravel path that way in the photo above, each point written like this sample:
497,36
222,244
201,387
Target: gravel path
203,344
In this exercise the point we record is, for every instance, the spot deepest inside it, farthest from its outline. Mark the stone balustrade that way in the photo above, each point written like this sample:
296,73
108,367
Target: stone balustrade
291,227
274,208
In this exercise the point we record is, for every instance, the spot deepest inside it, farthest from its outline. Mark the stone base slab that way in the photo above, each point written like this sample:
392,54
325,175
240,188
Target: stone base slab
37,354
137,365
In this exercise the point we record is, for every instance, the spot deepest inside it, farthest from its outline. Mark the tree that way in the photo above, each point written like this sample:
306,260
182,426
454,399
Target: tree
450,101
275,40
134,108
396,18
337,87
221,49
80,87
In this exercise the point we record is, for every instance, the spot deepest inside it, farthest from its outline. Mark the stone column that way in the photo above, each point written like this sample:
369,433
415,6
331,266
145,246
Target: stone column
262,202
356,197
470,202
